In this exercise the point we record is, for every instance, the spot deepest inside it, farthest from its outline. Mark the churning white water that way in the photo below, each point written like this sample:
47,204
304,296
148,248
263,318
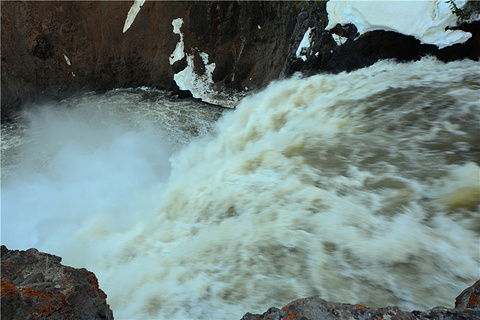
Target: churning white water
359,187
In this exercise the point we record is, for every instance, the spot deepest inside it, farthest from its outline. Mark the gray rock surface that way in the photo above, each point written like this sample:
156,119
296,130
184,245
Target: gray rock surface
467,306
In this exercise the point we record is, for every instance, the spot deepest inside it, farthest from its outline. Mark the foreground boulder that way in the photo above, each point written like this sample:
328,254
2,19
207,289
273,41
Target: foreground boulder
36,285
467,306
469,298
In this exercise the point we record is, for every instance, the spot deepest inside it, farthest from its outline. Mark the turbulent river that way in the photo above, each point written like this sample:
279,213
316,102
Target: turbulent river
360,187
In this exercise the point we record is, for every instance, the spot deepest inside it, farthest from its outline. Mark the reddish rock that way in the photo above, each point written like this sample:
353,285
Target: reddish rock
36,285
469,298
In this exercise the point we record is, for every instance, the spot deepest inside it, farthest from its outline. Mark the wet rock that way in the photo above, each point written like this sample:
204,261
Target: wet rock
313,308
36,285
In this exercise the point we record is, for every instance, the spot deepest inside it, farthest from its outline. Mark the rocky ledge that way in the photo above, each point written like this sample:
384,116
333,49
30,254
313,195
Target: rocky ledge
467,306
36,285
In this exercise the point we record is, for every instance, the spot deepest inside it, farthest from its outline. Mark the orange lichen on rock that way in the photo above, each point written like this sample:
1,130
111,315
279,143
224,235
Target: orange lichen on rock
29,292
36,285
469,298
8,289
95,286
474,301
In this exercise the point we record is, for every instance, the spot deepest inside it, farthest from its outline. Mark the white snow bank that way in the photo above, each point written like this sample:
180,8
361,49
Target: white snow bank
200,86
179,52
425,20
137,5
305,45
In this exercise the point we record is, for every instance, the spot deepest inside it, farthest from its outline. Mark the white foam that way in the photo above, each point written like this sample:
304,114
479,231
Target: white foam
132,13
327,186
425,20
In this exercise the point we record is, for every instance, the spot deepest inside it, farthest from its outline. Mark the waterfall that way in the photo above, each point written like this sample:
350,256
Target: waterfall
359,187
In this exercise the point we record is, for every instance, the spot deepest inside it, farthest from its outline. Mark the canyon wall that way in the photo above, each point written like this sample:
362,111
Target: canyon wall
217,51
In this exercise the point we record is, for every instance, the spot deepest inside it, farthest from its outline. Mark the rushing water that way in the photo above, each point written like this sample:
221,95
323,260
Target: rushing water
359,187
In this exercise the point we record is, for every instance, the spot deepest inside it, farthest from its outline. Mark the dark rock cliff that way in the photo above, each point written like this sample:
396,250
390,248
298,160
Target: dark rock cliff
36,285
38,37
53,49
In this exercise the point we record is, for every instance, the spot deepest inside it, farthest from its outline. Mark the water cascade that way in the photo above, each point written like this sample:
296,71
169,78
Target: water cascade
359,187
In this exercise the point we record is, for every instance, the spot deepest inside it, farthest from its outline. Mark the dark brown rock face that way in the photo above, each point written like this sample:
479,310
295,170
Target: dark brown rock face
38,37
466,307
53,49
36,286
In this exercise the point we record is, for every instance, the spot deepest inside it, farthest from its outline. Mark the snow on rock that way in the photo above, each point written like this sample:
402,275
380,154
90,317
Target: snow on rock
200,86
67,60
425,20
179,52
137,5
339,39
305,45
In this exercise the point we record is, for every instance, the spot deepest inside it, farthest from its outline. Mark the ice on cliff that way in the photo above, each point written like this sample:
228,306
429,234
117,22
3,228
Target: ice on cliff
425,20
132,13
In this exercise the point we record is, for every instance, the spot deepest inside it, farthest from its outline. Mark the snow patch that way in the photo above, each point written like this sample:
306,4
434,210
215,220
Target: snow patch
305,45
200,86
137,5
339,39
66,59
425,20
179,52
